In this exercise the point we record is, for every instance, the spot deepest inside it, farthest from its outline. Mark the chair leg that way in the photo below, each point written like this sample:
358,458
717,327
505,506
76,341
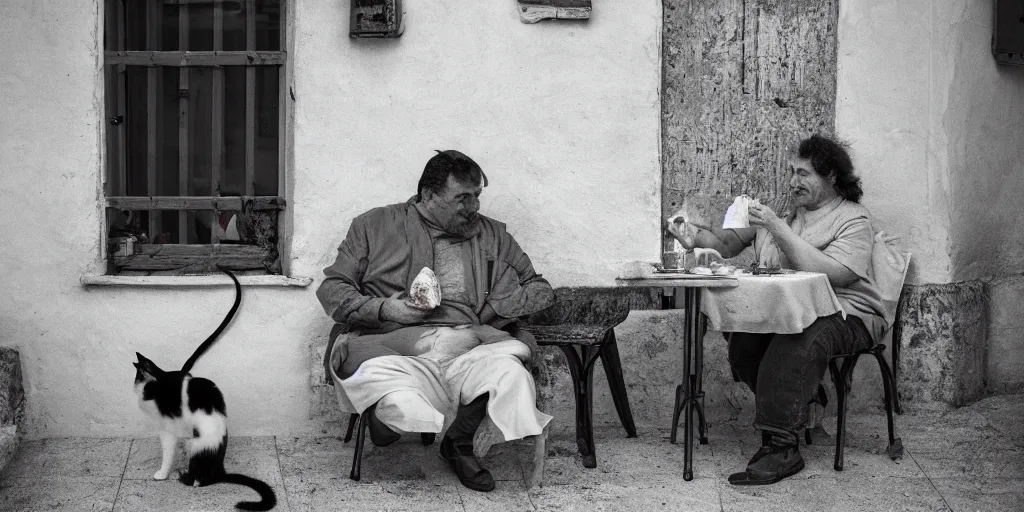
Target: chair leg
839,379
583,383
352,418
895,444
897,335
616,382
357,456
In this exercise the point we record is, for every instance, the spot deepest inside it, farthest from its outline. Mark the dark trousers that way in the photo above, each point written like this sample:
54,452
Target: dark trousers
783,370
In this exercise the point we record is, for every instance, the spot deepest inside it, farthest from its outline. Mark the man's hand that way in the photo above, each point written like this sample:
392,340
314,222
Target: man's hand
684,232
762,216
530,341
396,310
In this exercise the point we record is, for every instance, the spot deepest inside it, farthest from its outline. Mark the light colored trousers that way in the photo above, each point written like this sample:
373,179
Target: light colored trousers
418,393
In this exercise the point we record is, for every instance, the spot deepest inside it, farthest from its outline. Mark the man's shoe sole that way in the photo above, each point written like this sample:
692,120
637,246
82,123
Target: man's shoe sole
745,478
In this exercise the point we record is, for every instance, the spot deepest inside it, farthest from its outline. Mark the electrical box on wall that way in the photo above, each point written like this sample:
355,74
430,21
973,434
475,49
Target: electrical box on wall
1008,32
376,19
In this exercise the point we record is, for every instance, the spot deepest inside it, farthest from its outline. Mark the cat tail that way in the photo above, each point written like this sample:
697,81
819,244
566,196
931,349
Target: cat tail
220,328
268,499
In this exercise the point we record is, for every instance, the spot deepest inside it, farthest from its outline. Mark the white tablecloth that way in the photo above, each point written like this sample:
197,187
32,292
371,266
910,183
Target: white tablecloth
782,304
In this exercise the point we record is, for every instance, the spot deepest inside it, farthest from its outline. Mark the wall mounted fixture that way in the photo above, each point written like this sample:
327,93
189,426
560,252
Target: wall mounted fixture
376,19
532,11
1008,32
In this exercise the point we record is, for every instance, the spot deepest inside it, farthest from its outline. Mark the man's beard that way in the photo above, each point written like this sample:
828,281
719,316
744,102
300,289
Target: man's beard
463,226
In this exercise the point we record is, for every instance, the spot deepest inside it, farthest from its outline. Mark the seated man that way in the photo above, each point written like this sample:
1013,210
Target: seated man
828,232
407,367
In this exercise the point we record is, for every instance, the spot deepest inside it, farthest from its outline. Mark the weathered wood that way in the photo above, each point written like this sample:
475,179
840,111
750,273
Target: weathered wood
184,128
196,59
217,115
282,105
260,203
533,11
153,127
194,257
743,81
250,99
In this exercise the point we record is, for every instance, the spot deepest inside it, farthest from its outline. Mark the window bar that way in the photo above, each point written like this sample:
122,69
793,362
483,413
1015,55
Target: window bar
282,104
183,123
122,106
112,92
153,26
217,124
250,99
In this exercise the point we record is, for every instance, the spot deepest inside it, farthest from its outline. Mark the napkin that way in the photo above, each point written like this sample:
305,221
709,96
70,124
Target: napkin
738,215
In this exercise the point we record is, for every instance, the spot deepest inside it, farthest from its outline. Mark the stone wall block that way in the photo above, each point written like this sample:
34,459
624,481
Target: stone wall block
943,345
12,404
1005,339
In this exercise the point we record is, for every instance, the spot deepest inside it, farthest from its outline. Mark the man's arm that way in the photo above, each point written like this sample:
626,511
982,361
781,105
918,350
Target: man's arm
518,289
852,242
728,242
340,293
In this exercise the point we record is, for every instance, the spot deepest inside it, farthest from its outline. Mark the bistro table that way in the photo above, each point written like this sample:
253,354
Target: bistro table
782,303
690,390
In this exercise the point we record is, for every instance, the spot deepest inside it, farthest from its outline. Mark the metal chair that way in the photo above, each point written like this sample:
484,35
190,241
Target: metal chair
843,377
581,324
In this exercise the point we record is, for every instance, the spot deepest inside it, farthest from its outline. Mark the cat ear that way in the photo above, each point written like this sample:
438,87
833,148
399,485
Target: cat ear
146,365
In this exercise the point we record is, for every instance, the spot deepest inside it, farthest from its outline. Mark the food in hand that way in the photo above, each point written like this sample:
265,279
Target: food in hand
425,292
738,216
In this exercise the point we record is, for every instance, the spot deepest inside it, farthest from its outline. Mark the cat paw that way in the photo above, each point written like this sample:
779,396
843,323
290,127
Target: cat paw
160,475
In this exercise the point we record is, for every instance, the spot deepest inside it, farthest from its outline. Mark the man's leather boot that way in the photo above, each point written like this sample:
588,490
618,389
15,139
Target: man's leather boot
778,460
457,446
380,434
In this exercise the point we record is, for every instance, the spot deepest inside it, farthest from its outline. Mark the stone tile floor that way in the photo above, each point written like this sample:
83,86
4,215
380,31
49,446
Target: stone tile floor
971,459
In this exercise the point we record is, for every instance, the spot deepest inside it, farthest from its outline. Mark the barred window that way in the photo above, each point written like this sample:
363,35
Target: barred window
195,145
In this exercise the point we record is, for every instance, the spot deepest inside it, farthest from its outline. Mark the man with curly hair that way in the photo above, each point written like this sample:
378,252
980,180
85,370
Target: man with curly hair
828,231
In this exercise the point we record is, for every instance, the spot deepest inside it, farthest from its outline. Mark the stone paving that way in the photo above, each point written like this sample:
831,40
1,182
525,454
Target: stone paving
971,459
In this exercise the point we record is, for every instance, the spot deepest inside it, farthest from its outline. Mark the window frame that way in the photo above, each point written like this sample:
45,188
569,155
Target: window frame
264,213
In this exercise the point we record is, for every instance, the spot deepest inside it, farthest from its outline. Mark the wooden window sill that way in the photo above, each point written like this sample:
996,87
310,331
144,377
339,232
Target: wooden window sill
199,280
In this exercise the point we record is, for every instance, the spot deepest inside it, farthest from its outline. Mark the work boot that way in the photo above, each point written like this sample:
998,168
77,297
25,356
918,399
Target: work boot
457,446
779,459
466,466
765,449
380,434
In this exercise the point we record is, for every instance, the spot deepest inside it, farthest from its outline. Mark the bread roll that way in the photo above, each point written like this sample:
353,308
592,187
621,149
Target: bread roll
425,292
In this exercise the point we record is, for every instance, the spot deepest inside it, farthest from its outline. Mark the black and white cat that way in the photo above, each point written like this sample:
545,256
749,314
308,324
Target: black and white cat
193,408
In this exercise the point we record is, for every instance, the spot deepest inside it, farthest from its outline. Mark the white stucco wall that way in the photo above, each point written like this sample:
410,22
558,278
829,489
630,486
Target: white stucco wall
573,164
563,117
986,150
938,132
891,91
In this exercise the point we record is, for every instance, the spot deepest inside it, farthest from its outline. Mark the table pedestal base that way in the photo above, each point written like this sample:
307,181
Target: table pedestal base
690,394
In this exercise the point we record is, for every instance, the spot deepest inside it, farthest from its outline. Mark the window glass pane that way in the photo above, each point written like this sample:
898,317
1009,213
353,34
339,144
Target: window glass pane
234,26
200,126
268,25
167,134
151,25
136,120
267,116
232,175
200,26
151,106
